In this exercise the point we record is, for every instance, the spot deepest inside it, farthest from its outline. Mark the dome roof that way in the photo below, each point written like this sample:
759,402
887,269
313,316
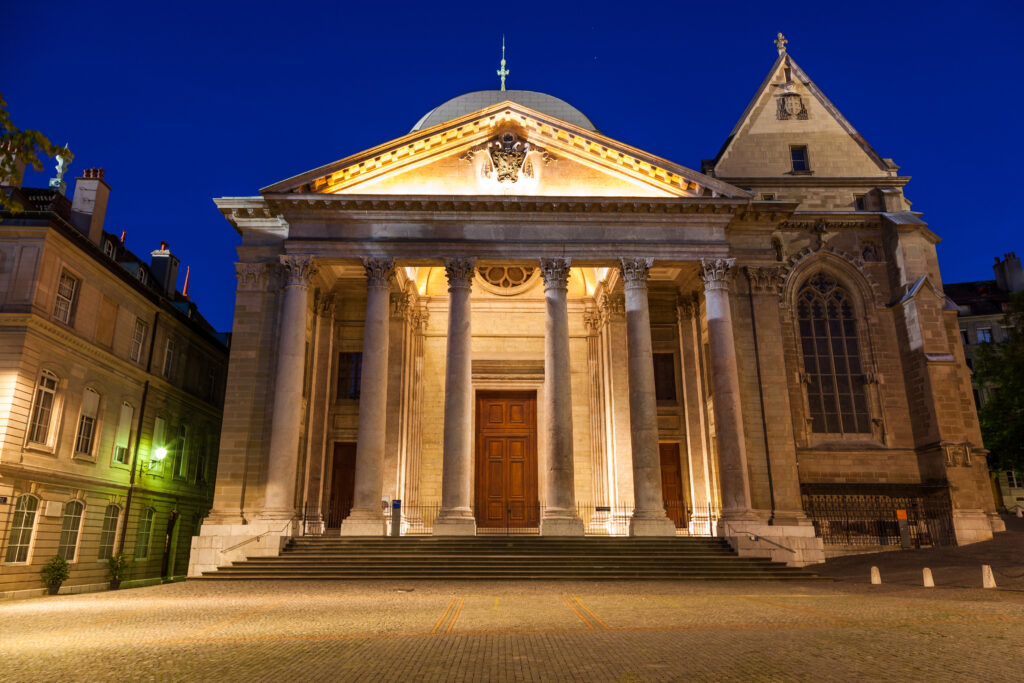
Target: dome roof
473,101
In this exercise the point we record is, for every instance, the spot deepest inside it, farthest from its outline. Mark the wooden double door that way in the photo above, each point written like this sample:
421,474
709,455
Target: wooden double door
506,460
672,490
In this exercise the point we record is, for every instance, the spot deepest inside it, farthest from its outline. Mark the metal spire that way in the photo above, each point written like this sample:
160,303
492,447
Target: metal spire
503,71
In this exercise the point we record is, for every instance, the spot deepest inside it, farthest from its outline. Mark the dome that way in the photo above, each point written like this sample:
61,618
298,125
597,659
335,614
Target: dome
473,101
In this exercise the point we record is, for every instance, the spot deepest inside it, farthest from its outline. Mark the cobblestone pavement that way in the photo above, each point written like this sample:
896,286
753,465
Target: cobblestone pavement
511,631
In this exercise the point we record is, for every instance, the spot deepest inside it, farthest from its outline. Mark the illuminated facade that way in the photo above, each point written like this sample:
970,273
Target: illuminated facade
104,368
509,319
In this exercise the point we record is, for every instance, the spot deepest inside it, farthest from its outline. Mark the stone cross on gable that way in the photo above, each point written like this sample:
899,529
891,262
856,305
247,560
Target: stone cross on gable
780,43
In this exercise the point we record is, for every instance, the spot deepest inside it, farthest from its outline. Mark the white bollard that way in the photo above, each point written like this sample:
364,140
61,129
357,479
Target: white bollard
929,582
1020,512
876,577
988,580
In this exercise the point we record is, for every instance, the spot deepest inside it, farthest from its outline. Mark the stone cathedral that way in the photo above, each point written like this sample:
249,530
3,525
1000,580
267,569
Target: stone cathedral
508,321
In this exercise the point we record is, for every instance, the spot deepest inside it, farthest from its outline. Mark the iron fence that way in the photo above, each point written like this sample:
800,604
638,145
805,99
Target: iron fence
860,516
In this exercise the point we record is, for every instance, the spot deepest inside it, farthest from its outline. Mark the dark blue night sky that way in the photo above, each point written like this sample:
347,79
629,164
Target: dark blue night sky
181,102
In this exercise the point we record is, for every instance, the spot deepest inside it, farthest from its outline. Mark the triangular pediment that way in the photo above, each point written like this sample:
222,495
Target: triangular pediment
507,149
789,109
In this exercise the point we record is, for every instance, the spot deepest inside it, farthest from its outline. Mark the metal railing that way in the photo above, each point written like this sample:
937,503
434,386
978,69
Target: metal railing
872,519
519,520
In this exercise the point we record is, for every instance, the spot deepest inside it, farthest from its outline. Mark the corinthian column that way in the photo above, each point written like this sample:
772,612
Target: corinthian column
366,518
560,516
649,518
286,422
732,453
456,515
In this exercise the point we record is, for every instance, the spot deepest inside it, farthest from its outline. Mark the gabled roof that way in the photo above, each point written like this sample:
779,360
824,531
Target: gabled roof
455,137
783,61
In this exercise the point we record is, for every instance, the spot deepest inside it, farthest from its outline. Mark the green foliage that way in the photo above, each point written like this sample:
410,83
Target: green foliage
117,566
21,148
56,570
1000,369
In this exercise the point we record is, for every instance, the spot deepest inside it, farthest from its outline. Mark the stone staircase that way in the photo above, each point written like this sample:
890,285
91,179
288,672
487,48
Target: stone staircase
517,558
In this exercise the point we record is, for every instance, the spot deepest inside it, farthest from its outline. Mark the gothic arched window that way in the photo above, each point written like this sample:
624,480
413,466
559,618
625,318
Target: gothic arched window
831,351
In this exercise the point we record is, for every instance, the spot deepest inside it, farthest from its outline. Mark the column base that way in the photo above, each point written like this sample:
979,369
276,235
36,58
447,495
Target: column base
455,522
363,523
561,525
651,526
275,515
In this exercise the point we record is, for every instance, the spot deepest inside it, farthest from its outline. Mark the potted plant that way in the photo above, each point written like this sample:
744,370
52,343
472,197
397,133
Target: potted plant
117,565
55,572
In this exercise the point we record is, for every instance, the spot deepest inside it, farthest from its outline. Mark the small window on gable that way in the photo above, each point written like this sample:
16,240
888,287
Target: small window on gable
768,196
109,249
67,294
85,438
860,202
798,155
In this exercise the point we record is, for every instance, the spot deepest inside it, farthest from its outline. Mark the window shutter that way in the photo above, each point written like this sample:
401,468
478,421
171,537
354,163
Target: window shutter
90,403
124,425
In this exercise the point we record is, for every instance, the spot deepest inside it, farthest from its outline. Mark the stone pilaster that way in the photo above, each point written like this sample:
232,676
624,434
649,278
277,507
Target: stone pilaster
456,515
732,453
319,402
560,517
598,425
698,453
615,360
419,319
286,424
649,518
366,518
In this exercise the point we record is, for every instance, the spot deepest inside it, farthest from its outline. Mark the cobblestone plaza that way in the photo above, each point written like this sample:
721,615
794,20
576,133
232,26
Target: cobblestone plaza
585,631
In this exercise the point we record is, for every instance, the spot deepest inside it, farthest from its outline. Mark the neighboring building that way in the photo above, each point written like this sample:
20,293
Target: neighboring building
983,307
102,363
513,320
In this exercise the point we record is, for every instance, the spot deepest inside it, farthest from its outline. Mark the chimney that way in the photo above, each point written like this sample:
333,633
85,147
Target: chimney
164,267
1009,274
89,205
18,176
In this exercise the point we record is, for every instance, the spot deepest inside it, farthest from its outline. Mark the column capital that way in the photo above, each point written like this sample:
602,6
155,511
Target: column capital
716,273
635,271
379,271
612,306
555,272
298,270
686,306
764,279
591,320
324,305
253,277
460,272
419,316
399,304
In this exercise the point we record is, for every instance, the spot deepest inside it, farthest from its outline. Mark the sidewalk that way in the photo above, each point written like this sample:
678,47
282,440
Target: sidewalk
956,567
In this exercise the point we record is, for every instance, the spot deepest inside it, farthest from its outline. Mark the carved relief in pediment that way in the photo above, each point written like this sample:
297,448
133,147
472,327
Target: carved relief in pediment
507,158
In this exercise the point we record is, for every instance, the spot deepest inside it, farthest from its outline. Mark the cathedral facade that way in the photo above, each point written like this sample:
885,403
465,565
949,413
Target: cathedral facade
506,320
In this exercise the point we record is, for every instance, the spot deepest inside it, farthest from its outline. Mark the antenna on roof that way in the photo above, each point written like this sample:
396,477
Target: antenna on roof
502,72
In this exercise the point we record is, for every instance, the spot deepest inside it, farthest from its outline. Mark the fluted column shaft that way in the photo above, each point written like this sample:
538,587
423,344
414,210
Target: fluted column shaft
366,518
732,453
560,516
286,422
456,515
319,402
649,518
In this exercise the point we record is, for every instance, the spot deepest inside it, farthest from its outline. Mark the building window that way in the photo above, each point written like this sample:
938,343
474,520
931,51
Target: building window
145,533
831,352
798,154
183,450
67,292
143,275
43,408
69,528
22,524
768,196
1011,479
350,370
86,436
109,249
138,339
123,438
169,359
859,202
108,534
159,442
966,340
665,377
984,335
